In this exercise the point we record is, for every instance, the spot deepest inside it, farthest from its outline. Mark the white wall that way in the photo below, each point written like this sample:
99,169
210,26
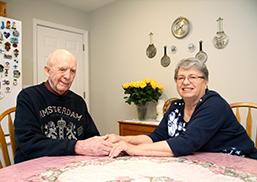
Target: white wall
119,38
26,10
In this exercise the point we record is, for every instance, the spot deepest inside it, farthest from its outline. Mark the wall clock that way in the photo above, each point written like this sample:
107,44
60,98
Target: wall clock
180,27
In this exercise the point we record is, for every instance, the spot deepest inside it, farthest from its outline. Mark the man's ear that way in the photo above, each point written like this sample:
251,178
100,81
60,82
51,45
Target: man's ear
47,70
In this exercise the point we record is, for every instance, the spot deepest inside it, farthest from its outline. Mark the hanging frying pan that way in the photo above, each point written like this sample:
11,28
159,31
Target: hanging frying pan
221,40
165,60
151,49
201,55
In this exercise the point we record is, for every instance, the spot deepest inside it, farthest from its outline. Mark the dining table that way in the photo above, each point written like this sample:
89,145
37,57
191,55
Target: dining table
209,167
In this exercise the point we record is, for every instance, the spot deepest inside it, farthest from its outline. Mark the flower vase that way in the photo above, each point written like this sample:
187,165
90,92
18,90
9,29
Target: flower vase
141,111
159,109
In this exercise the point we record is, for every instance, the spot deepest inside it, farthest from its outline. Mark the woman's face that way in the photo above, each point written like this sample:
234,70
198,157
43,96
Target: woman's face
191,84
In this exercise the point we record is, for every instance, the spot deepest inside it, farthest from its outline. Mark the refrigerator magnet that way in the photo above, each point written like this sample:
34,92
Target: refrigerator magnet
7,46
8,24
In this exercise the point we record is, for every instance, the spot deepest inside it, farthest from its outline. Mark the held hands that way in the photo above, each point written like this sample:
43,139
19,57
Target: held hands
113,138
111,145
95,146
121,147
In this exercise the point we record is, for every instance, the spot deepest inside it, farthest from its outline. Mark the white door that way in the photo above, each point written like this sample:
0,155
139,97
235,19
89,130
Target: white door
49,38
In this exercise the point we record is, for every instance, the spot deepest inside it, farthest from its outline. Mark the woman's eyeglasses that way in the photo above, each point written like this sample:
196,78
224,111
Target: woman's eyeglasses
190,78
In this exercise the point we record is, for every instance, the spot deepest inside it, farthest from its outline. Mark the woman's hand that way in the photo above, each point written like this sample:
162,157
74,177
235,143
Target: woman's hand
113,138
120,147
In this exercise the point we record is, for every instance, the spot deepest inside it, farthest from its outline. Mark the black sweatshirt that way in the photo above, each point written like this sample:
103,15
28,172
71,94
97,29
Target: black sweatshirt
47,124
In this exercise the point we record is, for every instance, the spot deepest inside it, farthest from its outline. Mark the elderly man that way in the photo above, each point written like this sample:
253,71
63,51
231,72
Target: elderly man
51,120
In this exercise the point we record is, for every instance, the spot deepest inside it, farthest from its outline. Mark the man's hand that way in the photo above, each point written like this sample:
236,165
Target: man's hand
95,146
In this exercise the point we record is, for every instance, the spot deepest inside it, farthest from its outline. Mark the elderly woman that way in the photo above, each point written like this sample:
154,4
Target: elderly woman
202,121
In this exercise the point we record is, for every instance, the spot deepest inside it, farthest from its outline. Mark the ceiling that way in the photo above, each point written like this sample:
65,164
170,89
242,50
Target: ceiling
85,5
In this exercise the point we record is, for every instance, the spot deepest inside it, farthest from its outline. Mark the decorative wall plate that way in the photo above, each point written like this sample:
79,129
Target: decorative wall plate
173,49
191,47
180,27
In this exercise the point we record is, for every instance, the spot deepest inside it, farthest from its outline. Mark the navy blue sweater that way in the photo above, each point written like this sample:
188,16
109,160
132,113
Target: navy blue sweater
47,124
212,128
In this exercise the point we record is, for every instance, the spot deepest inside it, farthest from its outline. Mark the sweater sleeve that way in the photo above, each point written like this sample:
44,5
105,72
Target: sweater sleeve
90,127
205,122
31,141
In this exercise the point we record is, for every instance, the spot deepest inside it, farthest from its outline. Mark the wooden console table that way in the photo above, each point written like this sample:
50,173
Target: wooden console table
135,127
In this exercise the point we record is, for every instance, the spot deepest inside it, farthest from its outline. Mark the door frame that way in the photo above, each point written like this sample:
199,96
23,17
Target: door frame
37,22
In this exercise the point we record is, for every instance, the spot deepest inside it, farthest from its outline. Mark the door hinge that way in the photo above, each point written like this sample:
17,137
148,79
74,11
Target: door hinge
83,47
84,95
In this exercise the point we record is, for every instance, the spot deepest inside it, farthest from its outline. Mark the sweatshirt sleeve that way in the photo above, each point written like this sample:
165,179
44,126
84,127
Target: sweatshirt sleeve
31,142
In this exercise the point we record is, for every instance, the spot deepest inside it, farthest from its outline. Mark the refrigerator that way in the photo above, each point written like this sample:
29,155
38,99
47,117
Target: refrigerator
10,63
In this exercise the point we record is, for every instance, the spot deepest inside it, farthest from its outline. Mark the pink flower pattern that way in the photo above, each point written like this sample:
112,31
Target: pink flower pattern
52,174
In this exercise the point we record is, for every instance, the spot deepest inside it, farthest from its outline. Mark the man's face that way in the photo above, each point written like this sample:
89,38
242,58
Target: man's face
61,73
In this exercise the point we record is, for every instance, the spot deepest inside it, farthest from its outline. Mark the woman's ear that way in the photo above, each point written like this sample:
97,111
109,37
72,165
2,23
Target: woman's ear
206,84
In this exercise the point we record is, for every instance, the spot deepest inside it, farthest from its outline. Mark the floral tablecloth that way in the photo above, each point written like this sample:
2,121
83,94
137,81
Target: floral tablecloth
199,167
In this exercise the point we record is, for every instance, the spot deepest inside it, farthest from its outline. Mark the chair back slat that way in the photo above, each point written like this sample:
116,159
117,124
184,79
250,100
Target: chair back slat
238,115
11,131
249,123
256,138
249,120
4,148
167,104
6,115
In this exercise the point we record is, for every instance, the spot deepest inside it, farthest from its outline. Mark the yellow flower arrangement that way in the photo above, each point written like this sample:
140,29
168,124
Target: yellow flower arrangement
141,92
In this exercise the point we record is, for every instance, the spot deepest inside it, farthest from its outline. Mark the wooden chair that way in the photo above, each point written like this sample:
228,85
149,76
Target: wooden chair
238,109
6,115
167,104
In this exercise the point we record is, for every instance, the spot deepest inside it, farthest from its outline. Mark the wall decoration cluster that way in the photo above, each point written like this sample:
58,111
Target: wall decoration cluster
180,28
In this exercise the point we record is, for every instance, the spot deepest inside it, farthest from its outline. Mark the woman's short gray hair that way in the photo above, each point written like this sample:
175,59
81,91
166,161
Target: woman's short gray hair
192,63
